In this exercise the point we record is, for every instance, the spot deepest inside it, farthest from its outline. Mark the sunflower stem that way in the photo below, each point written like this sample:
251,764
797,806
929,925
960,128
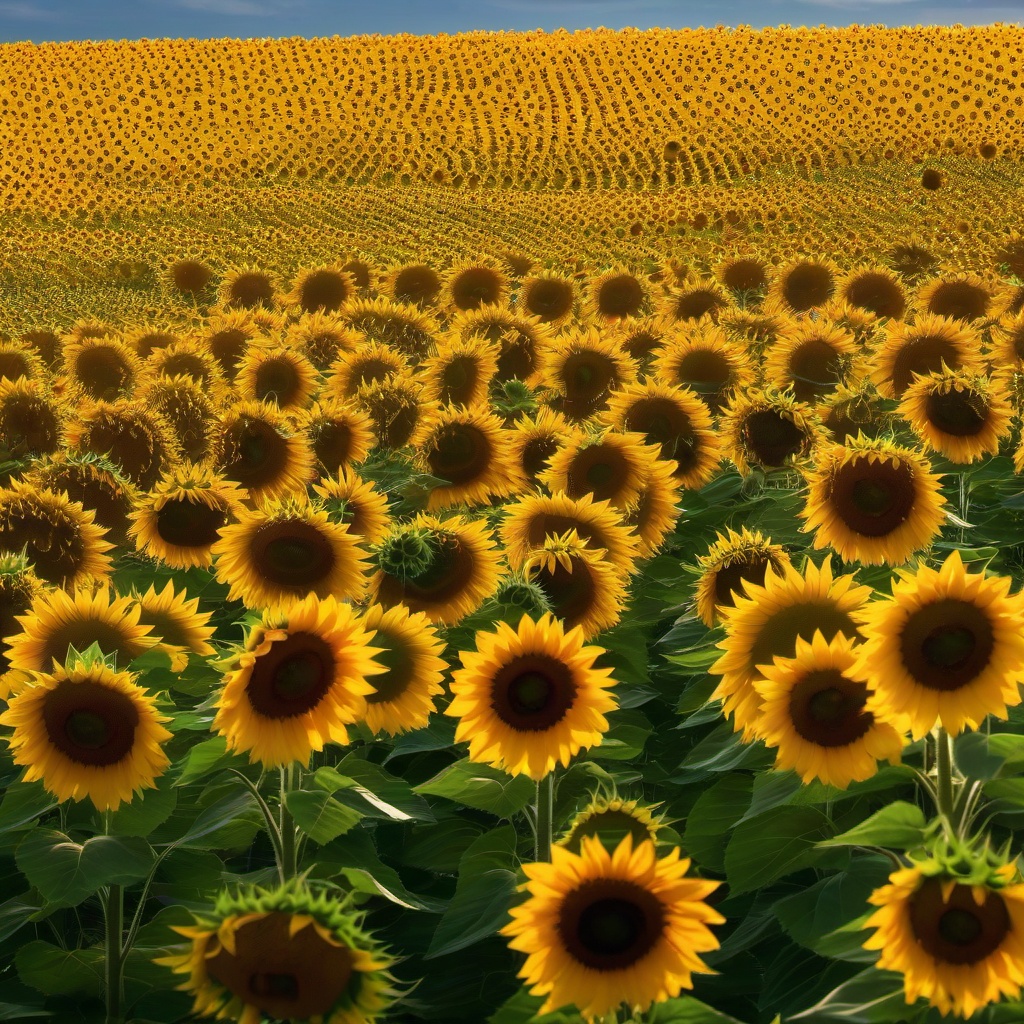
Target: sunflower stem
287,826
545,813
944,778
114,919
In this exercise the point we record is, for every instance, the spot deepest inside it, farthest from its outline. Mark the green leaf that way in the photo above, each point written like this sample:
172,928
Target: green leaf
235,806
319,815
522,1008
483,894
481,787
378,793
687,1010
366,873
66,872
624,741
871,997
146,811
716,811
9,1011
208,756
17,911
900,826
774,844
438,847
24,802
60,972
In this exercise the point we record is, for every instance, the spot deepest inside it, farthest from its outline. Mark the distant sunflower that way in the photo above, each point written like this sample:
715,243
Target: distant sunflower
947,647
579,586
956,940
320,289
765,622
872,501
654,515
180,519
921,348
675,419
768,429
284,551
549,296
322,338
410,650
534,439
465,448
693,298
471,284
460,372
444,567
368,363
530,698
188,274
102,368
416,283
609,466
401,327
300,680
534,517
811,360
813,711
912,259
60,539
521,339
804,284
961,415
254,447
735,559
246,287
601,929
87,731
357,503
339,433
581,368
394,407
177,623
705,361
284,954
610,819
616,294
31,419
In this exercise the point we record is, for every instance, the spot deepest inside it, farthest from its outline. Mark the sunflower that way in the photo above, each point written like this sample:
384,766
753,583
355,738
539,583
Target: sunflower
534,517
744,273
912,259
471,284
692,299
756,330
177,623
60,539
102,368
31,420
46,344
444,567
861,323
286,550
534,439
321,338
414,283
811,360
531,697
246,287
146,340
580,368
641,338
189,275
960,296
339,434
734,560
813,710
579,586
460,372
768,429
956,940
19,588
611,818
190,410
394,407
765,623
961,415
283,954
872,501
397,325
229,333
854,409
87,730
368,363
522,339
189,359
703,359
357,503
300,680
180,519
616,294
93,482
1007,350
675,419
277,375
609,466
946,646
601,929
803,284
18,361
923,347
131,435
254,448
320,289
876,289
410,651
549,296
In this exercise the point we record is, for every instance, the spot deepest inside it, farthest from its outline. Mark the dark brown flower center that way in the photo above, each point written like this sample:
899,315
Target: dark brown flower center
332,444
102,372
664,423
873,498
708,373
89,723
602,470
396,657
878,294
51,538
256,453
533,692
587,377
947,644
323,289
459,380
460,453
808,285
453,570
476,287
620,296
277,381
922,355
745,275
549,524
729,578
827,709
815,369
228,347
130,443
292,677
571,593
536,453
82,633
958,931
292,553
959,300
694,304
610,924
189,524
518,357
286,977
955,412
549,299
29,426
251,289
776,636
772,437
418,284
101,493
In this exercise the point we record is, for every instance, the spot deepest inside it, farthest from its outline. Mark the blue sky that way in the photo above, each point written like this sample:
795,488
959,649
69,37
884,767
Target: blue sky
41,20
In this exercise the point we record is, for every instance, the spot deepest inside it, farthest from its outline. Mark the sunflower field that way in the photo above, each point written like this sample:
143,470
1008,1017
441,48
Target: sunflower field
513,528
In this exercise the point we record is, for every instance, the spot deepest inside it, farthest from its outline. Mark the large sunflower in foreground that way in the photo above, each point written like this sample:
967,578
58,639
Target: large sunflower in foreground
283,954
958,941
87,730
765,623
285,550
813,712
947,647
601,929
300,680
872,501
530,698
410,651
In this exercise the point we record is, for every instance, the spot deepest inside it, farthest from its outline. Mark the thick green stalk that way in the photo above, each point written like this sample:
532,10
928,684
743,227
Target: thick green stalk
288,862
545,811
944,776
113,910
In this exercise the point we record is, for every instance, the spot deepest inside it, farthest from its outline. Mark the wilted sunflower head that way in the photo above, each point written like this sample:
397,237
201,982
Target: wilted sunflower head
402,327
321,338
189,409
394,407
767,429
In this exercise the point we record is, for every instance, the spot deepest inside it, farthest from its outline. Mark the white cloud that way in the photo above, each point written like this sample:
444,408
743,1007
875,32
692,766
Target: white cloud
232,7
25,11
